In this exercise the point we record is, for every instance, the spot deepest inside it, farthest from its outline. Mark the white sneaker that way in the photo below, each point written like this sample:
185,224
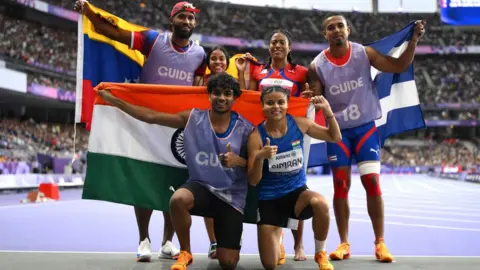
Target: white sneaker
169,251
144,251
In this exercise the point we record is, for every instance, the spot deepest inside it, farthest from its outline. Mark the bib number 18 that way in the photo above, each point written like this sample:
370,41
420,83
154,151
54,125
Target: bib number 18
351,113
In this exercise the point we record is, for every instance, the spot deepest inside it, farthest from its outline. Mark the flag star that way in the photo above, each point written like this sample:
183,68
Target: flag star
127,80
137,80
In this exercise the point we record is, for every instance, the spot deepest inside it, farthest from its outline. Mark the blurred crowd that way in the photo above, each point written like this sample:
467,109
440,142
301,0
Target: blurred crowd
225,19
445,154
439,79
35,43
36,78
24,139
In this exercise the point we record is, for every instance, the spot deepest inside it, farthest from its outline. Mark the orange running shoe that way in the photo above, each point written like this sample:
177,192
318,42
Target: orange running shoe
381,251
184,258
283,256
342,252
322,259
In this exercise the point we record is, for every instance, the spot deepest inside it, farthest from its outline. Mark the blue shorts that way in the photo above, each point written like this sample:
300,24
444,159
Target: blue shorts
360,142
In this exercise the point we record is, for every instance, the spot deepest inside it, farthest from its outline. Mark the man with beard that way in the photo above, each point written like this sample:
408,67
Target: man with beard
171,59
215,143
342,73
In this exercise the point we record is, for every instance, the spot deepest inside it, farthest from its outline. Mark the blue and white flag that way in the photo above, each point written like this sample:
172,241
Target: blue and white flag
397,92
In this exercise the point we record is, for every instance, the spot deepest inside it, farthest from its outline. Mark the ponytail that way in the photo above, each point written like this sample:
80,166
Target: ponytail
290,60
269,63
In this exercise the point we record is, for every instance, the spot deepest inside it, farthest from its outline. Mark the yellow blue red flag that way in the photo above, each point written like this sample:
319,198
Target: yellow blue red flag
100,59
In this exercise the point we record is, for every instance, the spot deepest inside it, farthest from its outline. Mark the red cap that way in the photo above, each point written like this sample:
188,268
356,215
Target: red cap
183,6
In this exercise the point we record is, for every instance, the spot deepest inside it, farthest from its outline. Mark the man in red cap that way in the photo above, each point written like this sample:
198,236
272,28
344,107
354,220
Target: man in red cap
171,59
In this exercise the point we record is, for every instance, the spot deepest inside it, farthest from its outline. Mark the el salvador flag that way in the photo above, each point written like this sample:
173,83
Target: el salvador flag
397,93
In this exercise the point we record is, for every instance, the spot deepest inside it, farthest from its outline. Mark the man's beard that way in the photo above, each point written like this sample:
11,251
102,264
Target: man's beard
180,33
340,42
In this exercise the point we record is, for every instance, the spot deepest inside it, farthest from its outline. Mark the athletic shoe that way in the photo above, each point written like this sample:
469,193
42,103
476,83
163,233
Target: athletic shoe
212,251
144,251
322,259
381,251
185,258
169,251
342,252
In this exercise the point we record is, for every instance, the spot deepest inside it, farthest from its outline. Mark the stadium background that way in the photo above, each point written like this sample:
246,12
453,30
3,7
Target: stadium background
38,42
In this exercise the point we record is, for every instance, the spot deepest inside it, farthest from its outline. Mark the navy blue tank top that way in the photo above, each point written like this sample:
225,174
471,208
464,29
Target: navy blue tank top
284,172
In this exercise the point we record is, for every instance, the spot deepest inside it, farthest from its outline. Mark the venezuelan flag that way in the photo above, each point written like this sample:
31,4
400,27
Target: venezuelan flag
100,59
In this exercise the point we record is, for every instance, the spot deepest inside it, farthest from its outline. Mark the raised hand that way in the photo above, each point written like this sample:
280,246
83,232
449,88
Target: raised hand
419,30
241,63
321,103
307,92
80,6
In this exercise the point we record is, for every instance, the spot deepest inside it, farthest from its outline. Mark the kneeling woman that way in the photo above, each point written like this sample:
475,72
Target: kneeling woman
276,165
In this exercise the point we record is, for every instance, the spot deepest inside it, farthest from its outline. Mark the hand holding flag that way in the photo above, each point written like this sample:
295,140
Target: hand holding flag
419,30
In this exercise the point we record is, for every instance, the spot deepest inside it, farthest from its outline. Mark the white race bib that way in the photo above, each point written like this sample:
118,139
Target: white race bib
286,162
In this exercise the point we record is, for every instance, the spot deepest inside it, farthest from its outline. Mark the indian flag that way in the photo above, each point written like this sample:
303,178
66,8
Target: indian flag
135,163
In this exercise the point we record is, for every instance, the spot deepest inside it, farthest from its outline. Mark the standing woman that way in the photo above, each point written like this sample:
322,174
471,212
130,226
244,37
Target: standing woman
218,61
280,70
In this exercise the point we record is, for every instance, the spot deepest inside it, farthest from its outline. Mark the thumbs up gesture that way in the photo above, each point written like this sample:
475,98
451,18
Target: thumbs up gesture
307,92
228,159
268,150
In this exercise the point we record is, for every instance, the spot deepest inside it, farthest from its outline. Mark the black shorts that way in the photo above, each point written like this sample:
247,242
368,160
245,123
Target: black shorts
277,212
227,221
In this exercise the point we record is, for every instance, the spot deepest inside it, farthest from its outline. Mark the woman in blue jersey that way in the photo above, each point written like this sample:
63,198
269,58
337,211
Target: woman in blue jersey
276,166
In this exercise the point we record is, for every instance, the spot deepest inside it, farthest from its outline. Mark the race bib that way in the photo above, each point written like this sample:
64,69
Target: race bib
286,162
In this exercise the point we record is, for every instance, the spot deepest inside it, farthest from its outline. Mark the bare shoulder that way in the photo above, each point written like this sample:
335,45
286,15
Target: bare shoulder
303,123
254,135
371,52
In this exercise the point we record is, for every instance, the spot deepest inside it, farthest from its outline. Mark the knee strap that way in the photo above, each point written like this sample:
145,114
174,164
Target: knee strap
340,189
370,175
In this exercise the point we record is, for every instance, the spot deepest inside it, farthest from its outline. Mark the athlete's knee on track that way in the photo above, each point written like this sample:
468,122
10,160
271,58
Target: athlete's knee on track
270,265
228,260
370,175
340,183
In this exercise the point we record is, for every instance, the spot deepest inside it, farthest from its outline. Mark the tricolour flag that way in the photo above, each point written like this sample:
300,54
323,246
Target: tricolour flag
100,59
135,163
397,92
